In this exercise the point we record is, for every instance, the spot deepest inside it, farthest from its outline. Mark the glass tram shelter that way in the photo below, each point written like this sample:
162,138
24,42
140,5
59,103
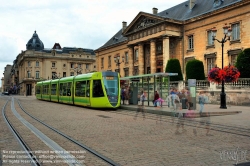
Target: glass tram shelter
149,83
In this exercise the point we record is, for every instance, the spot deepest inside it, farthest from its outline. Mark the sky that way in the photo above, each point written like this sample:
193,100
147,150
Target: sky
74,23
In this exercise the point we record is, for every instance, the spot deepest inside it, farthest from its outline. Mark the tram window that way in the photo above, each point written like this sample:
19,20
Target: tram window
53,89
38,90
45,89
69,89
63,89
88,89
97,88
80,88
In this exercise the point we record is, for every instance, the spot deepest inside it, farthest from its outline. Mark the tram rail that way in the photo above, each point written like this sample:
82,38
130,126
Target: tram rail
192,123
33,160
85,147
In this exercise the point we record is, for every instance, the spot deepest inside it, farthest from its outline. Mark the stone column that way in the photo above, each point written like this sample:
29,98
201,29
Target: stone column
165,51
131,60
152,57
141,59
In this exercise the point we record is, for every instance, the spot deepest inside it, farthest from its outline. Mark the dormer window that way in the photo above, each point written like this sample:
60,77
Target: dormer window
217,3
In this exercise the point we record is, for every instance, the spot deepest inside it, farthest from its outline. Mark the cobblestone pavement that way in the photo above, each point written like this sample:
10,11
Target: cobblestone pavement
130,141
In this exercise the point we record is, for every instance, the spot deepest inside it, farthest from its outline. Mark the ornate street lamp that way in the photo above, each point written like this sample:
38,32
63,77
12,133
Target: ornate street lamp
117,61
227,34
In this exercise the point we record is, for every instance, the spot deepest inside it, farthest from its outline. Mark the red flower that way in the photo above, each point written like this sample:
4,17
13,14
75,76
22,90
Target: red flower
216,75
228,74
232,74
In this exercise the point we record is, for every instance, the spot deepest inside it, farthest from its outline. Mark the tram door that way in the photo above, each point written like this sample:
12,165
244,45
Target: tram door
28,89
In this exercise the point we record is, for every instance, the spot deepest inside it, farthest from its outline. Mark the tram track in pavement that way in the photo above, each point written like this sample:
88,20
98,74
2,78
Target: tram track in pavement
20,140
72,140
188,122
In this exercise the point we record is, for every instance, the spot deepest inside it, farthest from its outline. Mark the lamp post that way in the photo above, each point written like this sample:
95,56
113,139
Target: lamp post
117,61
227,33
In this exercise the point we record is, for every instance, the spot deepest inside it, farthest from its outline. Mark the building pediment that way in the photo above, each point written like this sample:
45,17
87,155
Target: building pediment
142,21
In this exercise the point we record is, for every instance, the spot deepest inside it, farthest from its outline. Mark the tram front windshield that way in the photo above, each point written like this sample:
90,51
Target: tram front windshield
111,87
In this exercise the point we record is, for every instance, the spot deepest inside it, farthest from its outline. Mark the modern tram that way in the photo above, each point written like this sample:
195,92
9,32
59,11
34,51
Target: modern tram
97,90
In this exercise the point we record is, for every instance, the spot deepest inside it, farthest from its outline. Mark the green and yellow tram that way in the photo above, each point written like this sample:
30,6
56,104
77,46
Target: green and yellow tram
97,90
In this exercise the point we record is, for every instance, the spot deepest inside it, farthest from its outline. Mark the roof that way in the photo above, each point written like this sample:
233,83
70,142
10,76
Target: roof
117,38
68,50
180,12
35,43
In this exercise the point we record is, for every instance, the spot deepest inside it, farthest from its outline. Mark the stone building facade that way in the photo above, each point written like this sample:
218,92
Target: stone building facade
37,63
183,32
6,80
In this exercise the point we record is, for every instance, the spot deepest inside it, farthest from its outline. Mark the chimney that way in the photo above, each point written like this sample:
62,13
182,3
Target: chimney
191,4
155,10
124,26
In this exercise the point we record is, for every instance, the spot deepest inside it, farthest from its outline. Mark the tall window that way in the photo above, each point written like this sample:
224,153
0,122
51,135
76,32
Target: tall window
71,65
109,61
53,75
236,31
71,73
37,75
190,42
159,48
87,66
37,63
28,74
233,59
64,74
29,63
102,62
136,55
79,65
210,41
126,57
126,72
53,64
210,64
136,70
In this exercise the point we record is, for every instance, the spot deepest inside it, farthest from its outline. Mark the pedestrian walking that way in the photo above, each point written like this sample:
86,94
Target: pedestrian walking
201,100
174,102
204,121
180,123
123,95
140,107
126,96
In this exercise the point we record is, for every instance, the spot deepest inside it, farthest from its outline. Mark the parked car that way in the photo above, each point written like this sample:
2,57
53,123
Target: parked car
6,93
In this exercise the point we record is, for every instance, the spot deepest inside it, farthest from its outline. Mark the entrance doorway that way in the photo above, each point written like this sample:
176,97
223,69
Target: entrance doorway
28,89
158,70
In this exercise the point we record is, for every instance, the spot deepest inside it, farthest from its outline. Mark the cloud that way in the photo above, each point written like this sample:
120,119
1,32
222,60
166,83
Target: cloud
75,23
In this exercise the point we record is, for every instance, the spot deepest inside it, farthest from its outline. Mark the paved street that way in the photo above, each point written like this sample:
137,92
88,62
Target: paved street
129,141
233,115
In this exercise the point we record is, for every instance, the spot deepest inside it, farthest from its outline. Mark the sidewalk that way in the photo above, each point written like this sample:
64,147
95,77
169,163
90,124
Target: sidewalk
214,110
233,115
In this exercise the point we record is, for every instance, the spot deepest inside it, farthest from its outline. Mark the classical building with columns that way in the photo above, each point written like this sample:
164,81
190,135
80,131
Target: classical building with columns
37,63
183,32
